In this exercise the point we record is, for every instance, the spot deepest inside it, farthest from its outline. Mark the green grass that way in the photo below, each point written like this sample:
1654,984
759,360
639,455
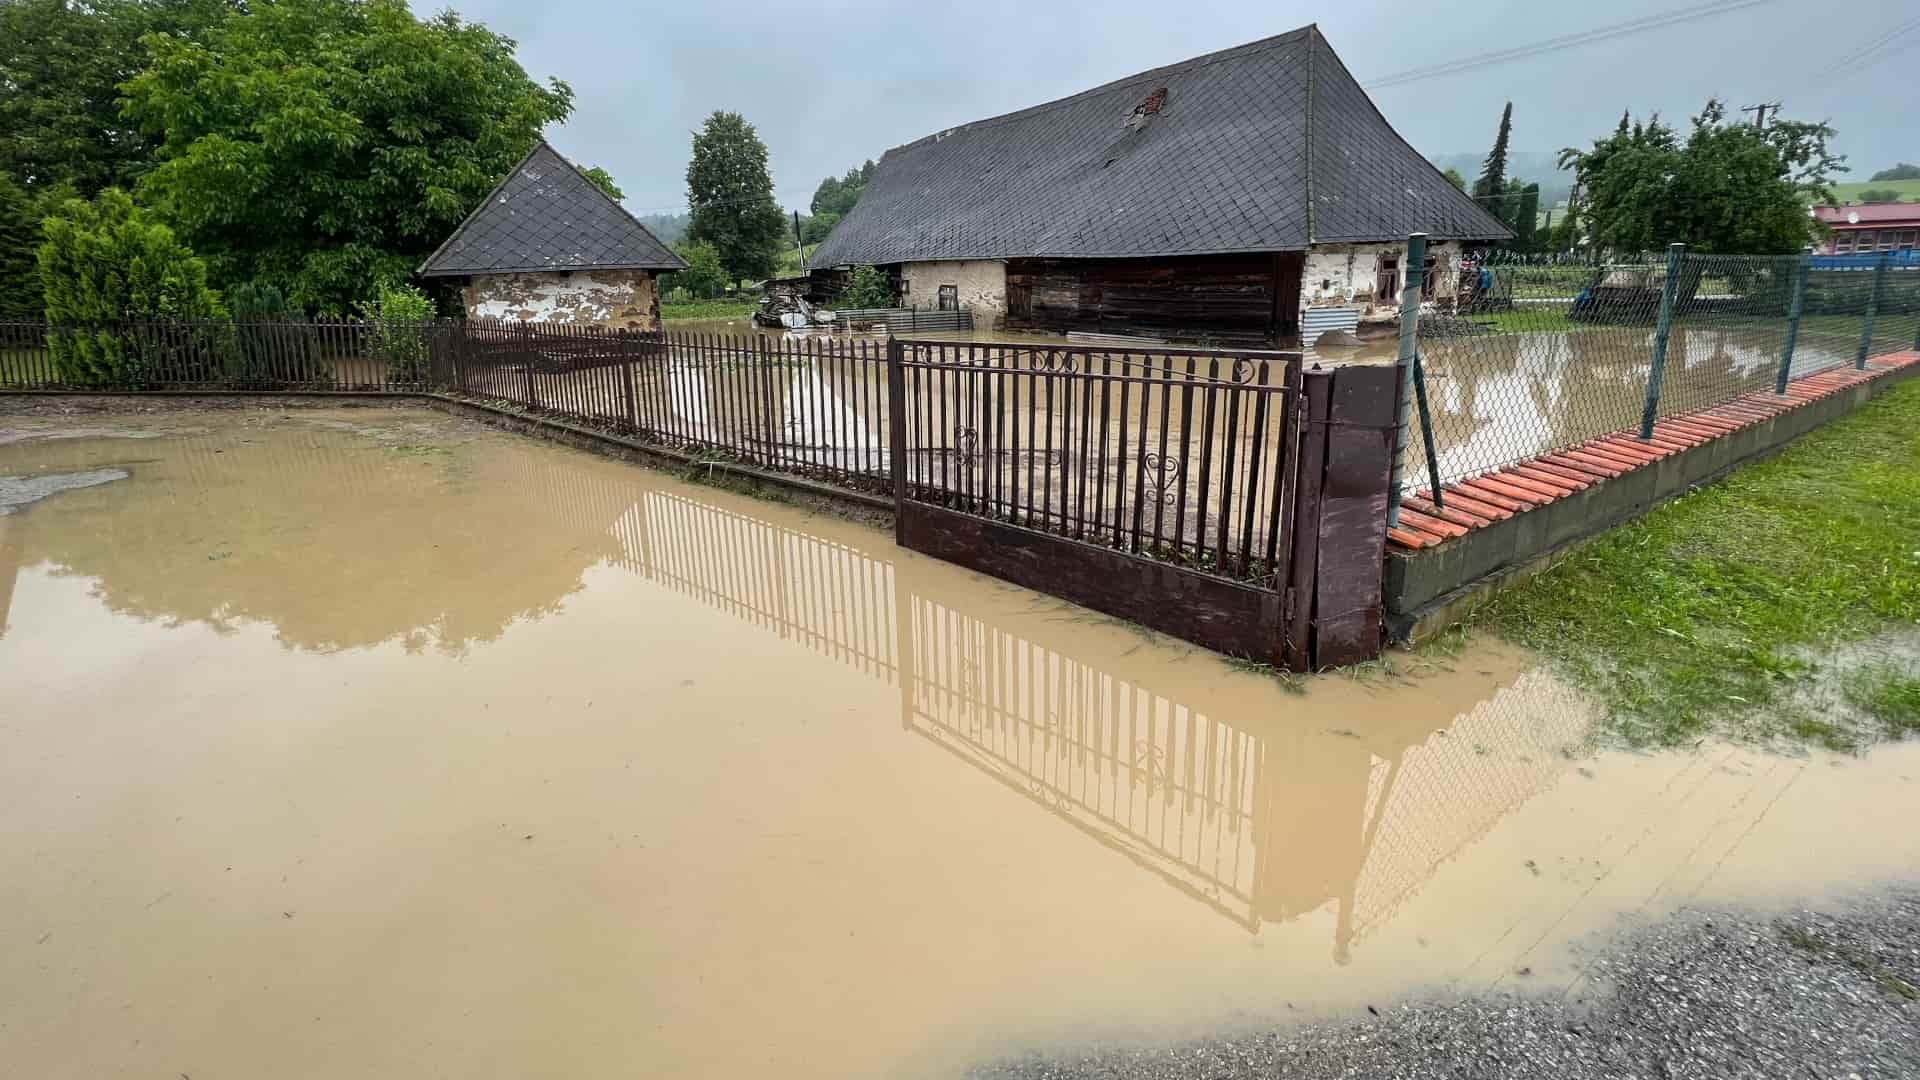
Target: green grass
1719,612
707,309
1850,193
1890,694
1528,317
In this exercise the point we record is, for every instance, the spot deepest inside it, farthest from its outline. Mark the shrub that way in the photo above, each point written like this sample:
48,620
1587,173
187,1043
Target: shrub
272,342
402,324
704,277
105,264
1879,195
867,288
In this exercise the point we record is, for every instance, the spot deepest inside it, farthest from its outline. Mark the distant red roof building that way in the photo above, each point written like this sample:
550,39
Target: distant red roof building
1872,227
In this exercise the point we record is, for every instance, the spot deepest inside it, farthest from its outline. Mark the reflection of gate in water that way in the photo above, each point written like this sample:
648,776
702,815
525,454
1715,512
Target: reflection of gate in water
1260,819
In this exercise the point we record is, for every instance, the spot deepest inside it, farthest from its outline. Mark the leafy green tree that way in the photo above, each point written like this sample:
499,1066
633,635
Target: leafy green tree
730,194
319,145
603,180
1453,177
21,214
704,277
1525,218
61,66
108,261
837,194
1493,175
1902,171
1726,189
1880,195
867,288
815,229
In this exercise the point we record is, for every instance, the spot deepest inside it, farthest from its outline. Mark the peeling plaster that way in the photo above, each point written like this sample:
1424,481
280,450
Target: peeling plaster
1345,275
624,299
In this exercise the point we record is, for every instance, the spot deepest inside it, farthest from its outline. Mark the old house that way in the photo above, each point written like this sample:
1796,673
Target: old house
549,246
1229,196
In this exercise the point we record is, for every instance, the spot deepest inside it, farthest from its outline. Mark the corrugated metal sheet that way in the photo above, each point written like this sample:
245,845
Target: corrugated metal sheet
904,320
1317,321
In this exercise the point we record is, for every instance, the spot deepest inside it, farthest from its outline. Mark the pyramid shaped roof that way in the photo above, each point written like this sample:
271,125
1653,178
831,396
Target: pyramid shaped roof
546,215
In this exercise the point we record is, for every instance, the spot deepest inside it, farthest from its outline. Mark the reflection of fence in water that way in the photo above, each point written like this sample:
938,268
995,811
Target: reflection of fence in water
1443,794
1260,820
1147,776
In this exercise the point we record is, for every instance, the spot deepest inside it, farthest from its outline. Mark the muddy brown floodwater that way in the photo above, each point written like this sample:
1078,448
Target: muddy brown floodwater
372,743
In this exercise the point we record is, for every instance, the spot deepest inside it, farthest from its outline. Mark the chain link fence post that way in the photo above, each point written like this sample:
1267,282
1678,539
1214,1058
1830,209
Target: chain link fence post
1662,330
1873,308
1415,270
1794,307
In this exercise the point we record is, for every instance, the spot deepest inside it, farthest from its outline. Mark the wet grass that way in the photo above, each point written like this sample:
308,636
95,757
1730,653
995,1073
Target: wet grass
1722,611
1889,693
707,309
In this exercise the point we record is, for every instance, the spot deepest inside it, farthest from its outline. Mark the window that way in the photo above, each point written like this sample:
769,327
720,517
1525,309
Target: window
949,298
1427,278
1387,285
1842,243
1907,238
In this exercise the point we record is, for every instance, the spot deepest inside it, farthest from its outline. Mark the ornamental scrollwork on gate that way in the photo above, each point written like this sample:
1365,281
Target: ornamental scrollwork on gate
1164,472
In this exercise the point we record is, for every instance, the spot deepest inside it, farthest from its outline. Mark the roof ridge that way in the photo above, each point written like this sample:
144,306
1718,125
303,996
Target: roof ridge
1191,63
1306,139
617,204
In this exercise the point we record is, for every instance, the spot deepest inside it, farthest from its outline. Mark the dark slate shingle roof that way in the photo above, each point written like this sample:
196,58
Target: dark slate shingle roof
546,215
1270,146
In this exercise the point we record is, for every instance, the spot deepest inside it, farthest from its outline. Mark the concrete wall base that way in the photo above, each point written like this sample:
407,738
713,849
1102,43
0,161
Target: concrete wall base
1432,589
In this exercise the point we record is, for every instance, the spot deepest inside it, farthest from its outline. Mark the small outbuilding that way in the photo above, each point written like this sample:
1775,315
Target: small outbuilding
1253,193
549,246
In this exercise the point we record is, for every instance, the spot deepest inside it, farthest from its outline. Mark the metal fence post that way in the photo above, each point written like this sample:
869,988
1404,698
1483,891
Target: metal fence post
1415,268
1656,374
626,380
1426,432
897,433
526,361
1873,308
1794,308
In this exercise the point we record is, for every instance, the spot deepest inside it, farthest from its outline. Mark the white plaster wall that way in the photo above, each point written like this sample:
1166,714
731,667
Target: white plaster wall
982,284
1345,275
622,299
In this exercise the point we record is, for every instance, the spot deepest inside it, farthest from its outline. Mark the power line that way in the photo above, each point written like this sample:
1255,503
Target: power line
1878,48
1565,41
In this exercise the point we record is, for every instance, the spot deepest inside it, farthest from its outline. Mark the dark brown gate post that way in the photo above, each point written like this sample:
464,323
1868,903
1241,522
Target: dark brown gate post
897,433
526,362
1361,429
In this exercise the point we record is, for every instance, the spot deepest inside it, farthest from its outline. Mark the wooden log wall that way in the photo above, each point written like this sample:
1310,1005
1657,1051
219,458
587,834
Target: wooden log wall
1239,298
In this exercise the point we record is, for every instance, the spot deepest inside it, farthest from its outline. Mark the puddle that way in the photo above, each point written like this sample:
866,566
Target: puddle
18,491
387,745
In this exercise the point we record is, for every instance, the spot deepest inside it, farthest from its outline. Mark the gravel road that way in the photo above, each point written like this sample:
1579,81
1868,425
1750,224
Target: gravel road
1701,995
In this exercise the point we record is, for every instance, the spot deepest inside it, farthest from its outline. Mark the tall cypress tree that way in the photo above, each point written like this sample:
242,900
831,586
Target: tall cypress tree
1493,176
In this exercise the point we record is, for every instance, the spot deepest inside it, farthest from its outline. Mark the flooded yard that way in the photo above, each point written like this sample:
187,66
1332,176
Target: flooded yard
371,742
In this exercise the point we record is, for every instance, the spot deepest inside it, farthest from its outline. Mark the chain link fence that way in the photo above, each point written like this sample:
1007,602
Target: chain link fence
1541,355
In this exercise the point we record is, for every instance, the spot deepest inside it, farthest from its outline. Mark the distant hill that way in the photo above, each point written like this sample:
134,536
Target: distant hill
670,228
1850,193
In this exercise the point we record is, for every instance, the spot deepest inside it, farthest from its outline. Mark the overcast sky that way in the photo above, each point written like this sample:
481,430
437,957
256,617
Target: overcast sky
830,84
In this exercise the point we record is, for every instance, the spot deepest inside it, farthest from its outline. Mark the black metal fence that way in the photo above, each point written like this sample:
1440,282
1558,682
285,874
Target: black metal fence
324,355
1178,454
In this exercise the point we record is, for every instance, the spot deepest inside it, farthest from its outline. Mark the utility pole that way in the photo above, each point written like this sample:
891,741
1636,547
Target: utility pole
1760,112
